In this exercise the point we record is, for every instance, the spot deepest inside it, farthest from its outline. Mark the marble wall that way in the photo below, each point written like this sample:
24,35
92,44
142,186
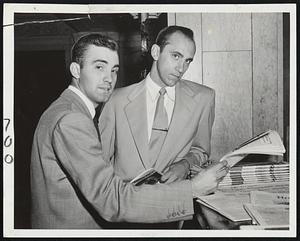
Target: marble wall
240,56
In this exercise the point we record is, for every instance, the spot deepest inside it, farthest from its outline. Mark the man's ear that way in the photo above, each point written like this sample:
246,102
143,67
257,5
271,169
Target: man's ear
75,70
155,51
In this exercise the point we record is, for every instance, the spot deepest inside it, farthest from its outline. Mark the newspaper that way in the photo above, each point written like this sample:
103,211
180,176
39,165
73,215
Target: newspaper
269,209
269,214
230,205
268,142
266,198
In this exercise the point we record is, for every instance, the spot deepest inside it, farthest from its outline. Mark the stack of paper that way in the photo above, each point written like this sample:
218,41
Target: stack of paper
239,176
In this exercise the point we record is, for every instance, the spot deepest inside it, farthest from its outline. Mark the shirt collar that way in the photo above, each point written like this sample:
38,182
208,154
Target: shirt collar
154,88
89,104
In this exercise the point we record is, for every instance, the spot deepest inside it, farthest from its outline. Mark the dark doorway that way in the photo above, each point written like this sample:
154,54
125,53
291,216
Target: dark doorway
40,77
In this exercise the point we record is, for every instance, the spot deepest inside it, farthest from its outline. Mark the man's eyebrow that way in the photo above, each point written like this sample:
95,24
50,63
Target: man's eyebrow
176,52
101,61
181,55
105,62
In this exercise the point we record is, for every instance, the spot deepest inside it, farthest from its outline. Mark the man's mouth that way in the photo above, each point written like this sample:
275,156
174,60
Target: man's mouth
175,76
106,88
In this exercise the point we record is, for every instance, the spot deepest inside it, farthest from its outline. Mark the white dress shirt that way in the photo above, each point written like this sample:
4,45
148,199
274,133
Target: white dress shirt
89,104
152,94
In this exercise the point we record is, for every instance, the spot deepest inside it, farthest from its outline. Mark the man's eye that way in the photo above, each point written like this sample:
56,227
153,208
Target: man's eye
115,71
176,56
99,67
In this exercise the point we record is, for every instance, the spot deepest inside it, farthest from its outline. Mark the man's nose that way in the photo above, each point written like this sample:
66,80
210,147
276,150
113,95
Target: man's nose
180,67
108,78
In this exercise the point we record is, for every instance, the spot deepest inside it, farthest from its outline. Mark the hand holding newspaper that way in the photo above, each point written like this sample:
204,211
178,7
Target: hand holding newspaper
261,207
268,142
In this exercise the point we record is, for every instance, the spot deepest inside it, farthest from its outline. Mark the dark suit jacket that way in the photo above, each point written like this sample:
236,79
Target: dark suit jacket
74,187
123,128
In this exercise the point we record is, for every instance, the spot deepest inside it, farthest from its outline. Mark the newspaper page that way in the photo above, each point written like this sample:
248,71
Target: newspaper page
266,198
229,205
268,142
269,214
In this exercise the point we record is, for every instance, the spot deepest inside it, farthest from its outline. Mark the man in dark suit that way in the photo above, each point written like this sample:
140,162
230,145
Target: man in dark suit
128,118
72,185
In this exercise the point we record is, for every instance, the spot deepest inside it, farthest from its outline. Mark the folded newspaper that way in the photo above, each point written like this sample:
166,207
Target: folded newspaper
149,176
268,143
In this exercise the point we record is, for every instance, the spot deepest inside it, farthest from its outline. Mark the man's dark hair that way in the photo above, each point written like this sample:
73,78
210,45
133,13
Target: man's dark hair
164,34
85,41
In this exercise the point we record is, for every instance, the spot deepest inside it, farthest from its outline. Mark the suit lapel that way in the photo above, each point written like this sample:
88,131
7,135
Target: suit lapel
137,118
183,109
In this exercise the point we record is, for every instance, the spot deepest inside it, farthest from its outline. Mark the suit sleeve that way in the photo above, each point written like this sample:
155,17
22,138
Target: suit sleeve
79,153
201,146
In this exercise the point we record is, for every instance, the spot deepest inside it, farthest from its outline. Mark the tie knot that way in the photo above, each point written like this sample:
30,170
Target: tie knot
162,91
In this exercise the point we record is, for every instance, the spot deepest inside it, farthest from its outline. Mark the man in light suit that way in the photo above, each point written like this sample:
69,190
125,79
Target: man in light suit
72,185
127,118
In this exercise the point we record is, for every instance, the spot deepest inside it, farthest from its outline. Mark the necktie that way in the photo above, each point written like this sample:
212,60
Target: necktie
96,119
159,128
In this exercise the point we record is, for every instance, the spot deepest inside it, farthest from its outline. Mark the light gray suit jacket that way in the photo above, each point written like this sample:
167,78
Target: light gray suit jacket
123,128
73,186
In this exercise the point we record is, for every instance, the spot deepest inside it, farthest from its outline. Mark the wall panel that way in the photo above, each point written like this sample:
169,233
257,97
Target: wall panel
265,79
229,73
226,31
193,21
